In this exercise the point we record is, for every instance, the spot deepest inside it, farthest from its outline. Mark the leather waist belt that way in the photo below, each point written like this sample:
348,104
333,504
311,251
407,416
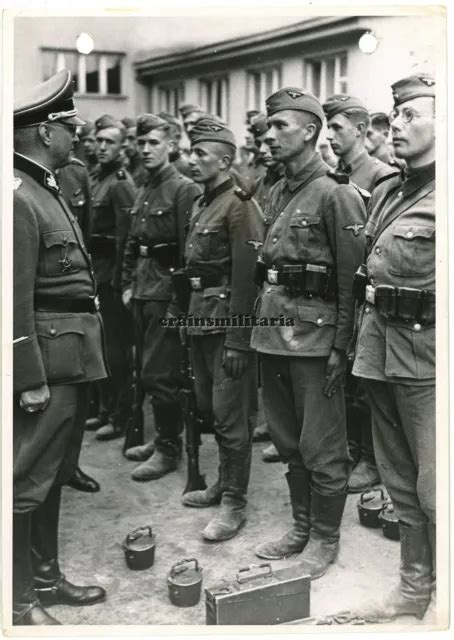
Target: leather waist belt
66,305
304,279
102,243
403,303
198,283
166,253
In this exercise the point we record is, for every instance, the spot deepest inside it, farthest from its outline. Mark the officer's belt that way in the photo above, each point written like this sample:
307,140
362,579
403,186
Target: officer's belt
300,279
166,253
53,304
403,303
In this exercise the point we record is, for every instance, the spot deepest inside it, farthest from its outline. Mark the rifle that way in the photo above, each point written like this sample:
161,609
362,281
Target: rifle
134,429
192,422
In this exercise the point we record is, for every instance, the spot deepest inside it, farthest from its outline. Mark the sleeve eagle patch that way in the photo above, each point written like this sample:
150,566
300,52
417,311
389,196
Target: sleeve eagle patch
256,244
354,228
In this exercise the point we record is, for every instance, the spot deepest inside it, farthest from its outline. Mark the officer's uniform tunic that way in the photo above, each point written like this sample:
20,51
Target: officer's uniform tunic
75,189
397,359
52,346
224,234
318,221
160,213
113,194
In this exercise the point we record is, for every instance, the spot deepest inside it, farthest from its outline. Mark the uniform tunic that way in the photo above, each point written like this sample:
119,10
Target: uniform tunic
366,171
397,359
224,234
312,219
75,189
60,349
264,184
160,213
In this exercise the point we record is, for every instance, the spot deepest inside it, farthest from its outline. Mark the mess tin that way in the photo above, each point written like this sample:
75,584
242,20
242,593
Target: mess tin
185,583
389,522
260,595
370,505
139,547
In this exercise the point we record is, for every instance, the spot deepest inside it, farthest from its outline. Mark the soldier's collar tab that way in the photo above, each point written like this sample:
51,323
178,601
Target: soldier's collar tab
209,196
38,172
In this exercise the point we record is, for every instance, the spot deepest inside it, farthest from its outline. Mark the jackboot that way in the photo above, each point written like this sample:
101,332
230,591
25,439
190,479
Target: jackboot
412,595
168,445
235,471
141,452
51,587
323,544
294,541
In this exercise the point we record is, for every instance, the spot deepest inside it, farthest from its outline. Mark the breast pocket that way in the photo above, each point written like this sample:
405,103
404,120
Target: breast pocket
304,235
413,250
61,253
159,224
212,241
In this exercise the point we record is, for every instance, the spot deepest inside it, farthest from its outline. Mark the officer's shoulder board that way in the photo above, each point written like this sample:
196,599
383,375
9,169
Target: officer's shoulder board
340,178
241,193
77,162
121,174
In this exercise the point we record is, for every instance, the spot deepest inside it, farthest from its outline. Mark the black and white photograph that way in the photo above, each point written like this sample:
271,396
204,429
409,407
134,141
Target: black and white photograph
224,313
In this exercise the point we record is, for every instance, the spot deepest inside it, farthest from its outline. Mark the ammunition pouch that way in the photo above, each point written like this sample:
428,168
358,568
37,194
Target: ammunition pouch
403,303
165,253
360,281
303,279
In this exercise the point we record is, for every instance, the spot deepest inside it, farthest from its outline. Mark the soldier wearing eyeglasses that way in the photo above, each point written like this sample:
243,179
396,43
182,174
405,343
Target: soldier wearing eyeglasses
57,349
395,355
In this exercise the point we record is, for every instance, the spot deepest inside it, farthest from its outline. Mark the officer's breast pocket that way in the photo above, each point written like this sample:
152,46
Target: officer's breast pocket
211,240
413,250
61,340
61,254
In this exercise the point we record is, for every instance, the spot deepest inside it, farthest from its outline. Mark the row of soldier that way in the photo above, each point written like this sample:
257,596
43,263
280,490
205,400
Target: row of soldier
304,237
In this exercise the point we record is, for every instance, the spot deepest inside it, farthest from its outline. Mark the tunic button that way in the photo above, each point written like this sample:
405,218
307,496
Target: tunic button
222,295
304,223
367,310
274,239
268,290
205,231
377,250
410,234
146,202
400,194
196,224
319,321
159,213
190,246
53,332
142,219
417,327
281,214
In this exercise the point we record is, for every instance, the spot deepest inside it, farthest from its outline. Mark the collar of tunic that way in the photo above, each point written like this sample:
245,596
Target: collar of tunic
209,196
164,174
350,168
417,178
313,169
37,171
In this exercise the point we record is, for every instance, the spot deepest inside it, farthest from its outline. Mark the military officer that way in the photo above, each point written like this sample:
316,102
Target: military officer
395,353
132,157
113,194
348,122
57,348
154,249
312,248
224,231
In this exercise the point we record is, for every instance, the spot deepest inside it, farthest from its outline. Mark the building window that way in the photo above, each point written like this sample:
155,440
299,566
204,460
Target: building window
171,98
326,76
214,96
93,74
261,84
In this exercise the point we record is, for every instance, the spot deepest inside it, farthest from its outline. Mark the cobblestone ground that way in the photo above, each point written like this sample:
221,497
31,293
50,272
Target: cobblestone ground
93,527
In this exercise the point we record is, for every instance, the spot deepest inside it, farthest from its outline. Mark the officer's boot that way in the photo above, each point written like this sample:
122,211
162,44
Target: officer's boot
81,481
168,444
365,474
412,595
231,516
51,587
27,609
323,544
294,541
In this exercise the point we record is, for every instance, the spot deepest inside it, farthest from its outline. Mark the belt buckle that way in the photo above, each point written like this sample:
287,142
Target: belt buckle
143,250
370,294
196,283
272,276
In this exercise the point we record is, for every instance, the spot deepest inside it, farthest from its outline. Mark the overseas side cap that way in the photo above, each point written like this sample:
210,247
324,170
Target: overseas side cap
128,122
87,128
342,103
49,101
146,122
209,130
295,99
106,121
417,86
186,109
258,125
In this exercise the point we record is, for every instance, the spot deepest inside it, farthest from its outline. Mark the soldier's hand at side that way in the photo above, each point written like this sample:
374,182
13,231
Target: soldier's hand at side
35,399
126,297
335,371
234,362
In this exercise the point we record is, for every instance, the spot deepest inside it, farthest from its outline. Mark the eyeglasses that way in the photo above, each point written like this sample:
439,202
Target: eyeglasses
406,115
